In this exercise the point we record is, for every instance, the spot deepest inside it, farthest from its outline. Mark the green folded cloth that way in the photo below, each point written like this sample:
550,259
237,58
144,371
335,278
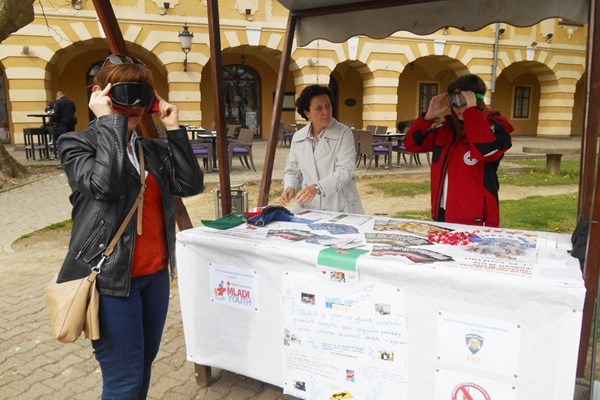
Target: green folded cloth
226,222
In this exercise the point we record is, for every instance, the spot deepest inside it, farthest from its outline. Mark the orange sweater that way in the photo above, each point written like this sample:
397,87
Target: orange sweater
150,254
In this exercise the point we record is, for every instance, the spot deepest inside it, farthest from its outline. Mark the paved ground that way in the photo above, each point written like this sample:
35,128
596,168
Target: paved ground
35,366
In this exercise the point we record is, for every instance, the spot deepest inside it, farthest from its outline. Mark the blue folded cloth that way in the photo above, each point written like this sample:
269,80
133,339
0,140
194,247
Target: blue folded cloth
270,214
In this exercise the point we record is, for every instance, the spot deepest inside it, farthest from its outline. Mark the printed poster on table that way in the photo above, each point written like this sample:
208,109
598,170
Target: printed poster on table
339,266
234,286
341,343
480,344
506,252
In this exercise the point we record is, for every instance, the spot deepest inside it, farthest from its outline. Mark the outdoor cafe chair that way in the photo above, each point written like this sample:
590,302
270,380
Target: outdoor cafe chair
242,148
370,150
285,136
36,139
233,131
399,149
203,150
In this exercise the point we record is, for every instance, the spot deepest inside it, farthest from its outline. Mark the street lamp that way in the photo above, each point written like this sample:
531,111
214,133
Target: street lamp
185,38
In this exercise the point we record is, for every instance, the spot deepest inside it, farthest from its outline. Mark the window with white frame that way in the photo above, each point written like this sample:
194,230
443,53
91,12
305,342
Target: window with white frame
522,101
427,91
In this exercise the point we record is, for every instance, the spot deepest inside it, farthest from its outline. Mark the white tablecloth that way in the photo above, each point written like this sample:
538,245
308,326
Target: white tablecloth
541,307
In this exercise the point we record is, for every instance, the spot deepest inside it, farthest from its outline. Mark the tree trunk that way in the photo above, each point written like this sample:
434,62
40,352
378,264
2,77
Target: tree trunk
14,14
9,167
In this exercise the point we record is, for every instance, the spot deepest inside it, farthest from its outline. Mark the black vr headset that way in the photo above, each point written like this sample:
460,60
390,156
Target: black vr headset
457,99
127,94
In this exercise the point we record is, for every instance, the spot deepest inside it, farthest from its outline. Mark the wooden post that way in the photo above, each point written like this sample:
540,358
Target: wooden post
267,174
589,185
117,45
217,78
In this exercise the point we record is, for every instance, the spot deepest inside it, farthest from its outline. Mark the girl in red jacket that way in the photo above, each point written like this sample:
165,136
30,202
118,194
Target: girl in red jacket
467,148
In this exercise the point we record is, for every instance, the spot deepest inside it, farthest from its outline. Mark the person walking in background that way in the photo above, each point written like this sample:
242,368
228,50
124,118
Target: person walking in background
319,170
63,115
102,164
467,147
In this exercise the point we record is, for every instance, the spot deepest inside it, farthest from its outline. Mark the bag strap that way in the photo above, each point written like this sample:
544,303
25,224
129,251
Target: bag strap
139,205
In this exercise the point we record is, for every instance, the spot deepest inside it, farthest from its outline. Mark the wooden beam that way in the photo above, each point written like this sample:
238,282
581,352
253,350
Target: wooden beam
214,32
589,186
117,45
267,174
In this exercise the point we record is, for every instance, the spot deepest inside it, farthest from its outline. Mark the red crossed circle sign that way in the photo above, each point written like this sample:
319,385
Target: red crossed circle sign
470,391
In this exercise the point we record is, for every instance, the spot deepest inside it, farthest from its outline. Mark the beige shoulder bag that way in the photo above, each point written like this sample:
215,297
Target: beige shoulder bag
73,305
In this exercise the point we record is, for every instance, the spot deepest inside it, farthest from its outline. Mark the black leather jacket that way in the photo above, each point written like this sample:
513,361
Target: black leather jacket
104,186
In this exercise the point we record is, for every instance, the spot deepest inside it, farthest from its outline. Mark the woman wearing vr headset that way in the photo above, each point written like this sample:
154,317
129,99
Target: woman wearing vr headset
467,147
102,164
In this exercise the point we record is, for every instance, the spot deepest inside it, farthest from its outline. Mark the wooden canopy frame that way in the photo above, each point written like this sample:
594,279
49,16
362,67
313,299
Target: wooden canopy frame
589,195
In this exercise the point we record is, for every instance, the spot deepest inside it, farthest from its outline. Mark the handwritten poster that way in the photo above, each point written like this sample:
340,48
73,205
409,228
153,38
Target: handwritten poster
339,342
234,286
480,344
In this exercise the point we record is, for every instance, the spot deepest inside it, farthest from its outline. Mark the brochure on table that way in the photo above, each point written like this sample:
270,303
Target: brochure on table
527,254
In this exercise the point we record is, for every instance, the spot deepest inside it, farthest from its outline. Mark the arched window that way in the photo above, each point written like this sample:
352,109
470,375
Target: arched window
242,96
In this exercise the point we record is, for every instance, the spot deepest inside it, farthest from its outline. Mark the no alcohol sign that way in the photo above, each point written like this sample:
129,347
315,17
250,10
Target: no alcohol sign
470,391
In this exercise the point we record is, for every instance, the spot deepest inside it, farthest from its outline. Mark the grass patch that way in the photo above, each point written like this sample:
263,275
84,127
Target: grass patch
276,193
541,213
400,189
537,213
539,177
68,224
569,174
418,215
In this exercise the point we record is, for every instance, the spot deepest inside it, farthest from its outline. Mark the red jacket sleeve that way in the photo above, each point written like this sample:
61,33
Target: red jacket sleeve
488,134
418,139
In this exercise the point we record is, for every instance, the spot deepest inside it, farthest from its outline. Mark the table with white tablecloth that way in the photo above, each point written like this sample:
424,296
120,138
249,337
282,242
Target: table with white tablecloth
334,305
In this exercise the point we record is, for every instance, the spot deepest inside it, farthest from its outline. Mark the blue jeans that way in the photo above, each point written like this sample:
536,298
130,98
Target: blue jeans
130,334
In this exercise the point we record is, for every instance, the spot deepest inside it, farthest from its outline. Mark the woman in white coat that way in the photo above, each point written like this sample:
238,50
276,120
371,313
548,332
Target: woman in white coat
319,172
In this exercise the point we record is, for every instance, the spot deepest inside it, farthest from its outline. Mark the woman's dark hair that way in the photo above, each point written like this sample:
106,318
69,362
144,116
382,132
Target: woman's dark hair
303,101
471,83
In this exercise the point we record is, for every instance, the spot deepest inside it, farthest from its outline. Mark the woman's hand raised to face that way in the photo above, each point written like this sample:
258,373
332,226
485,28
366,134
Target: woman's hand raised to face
470,98
437,106
100,102
167,113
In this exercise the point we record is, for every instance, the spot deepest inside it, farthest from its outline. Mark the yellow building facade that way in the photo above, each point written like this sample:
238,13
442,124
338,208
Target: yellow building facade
535,75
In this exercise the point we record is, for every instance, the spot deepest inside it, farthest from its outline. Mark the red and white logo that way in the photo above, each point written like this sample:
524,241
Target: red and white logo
468,159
